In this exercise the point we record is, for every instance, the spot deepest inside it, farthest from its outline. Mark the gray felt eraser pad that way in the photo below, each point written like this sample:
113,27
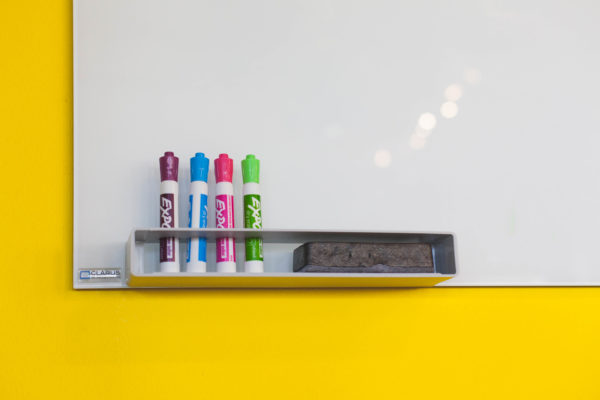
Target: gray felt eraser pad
364,257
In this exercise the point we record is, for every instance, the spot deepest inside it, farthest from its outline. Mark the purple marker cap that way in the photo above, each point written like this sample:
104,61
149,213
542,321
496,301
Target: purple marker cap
169,167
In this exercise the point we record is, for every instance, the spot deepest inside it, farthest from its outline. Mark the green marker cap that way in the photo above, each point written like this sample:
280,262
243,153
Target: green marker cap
250,169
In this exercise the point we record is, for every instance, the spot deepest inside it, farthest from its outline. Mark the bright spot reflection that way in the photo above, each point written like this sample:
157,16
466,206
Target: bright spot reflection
472,76
417,142
383,158
449,109
453,92
427,121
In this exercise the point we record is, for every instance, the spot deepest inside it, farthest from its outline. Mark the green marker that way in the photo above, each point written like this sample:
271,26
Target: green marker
252,213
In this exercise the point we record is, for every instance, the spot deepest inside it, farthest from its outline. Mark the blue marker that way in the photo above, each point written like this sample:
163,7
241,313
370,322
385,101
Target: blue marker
196,251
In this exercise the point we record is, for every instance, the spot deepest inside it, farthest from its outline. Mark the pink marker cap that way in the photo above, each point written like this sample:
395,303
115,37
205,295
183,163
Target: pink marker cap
169,167
224,168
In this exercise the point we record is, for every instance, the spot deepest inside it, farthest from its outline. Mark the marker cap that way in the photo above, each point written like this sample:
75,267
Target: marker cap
169,167
224,168
199,167
250,169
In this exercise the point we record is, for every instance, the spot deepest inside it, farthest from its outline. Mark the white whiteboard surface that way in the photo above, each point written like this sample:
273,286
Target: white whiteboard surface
328,95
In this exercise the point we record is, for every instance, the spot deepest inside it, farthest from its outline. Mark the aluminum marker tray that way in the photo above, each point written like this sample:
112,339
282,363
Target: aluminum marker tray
278,262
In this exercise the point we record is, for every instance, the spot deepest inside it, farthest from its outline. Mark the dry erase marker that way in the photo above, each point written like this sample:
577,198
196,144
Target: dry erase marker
196,250
224,212
169,191
252,213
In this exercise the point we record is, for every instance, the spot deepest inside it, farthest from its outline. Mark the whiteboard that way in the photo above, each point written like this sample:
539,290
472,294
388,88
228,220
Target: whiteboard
473,117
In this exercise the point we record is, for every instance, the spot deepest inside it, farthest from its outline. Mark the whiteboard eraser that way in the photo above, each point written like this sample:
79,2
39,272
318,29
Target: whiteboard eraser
364,257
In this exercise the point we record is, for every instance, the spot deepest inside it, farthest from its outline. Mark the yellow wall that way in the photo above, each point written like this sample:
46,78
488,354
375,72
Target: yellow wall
451,343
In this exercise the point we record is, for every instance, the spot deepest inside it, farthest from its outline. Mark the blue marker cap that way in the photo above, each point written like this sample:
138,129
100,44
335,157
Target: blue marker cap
199,167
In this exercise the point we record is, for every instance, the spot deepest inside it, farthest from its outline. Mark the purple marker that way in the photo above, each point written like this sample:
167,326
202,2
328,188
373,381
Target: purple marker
224,212
169,199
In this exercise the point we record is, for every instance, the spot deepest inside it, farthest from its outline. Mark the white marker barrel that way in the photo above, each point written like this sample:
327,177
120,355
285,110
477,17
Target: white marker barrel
196,259
253,220
169,215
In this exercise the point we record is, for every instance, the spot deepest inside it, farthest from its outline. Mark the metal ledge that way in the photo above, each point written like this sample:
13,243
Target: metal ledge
442,246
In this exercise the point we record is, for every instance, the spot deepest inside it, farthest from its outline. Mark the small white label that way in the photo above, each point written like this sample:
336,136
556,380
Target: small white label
99,274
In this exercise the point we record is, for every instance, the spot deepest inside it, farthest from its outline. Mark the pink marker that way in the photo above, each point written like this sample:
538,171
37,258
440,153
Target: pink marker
224,212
